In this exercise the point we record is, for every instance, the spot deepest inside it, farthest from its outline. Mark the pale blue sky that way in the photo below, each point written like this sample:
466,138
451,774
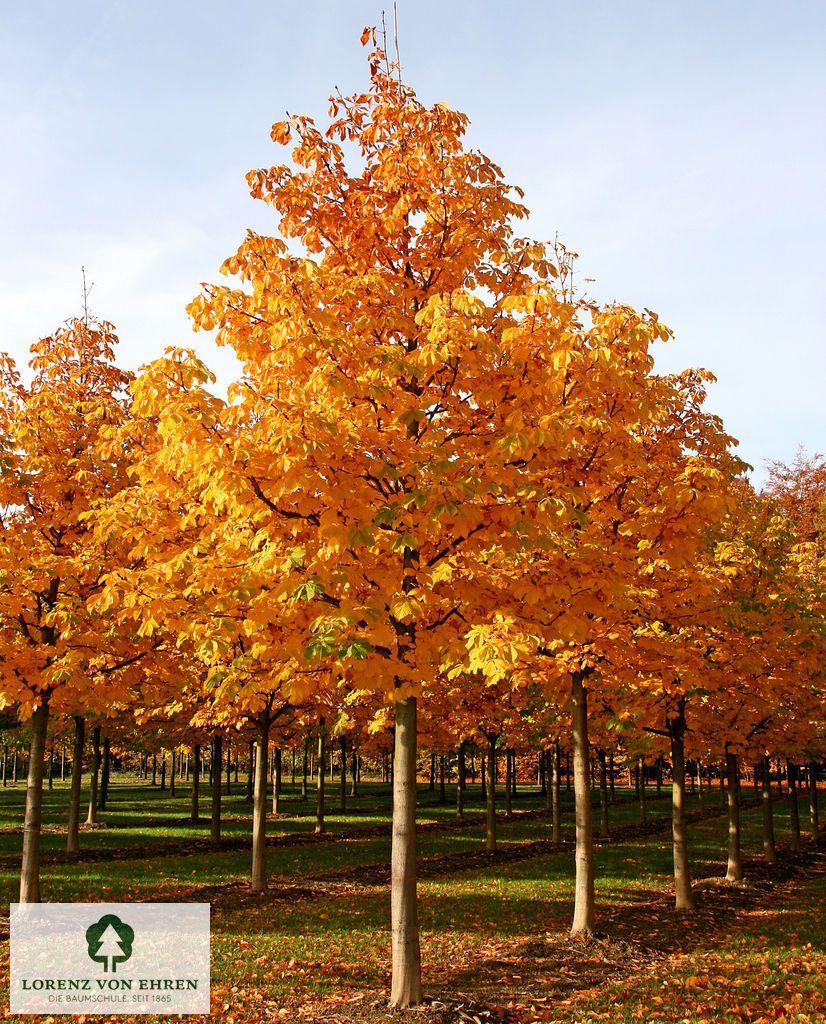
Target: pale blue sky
680,148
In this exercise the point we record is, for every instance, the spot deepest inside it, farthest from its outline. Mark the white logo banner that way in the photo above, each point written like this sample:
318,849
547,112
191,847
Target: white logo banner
109,958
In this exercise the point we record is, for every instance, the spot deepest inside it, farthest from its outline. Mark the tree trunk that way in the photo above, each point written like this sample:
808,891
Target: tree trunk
406,987
660,775
195,810
508,784
611,797
292,767
794,810
73,829
699,768
813,811
432,786
769,851
641,774
251,773
30,867
92,815
304,769
734,869
483,775
154,769
490,798
343,795
163,770
354,774
603,794
229,769
319,807
442,793
460,783
556,809
259,806
583,923
546,775
215,810
174,761
103,795
277,761
683,899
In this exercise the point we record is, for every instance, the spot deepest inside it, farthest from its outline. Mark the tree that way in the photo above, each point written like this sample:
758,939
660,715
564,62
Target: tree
56,653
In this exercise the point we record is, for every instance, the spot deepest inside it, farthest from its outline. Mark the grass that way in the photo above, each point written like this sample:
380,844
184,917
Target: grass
316,944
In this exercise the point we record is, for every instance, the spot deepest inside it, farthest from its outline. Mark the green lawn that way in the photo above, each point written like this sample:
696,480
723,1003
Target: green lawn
493,932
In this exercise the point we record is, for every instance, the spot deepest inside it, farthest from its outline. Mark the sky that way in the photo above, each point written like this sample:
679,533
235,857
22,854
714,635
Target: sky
679,149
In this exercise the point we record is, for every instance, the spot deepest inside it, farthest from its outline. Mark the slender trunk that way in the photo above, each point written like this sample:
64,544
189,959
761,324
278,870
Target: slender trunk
603,794
259,806
195,810
483,777
583,923
163,770
460,783
63,761
490,799
92,815
641,774
541,779
432,786
173,763
508,784
5,760
154,769
567,771
343,795
769,851
611,778
546,773
734,869
406,987
660,775
699,767
442,793
683,899
229,769
794,810
103,795
813,811
14,768
30,867
251,772
51,766
215,811
319,807
276,779
292,767
556,808
73,829
304,770
354,773
723,773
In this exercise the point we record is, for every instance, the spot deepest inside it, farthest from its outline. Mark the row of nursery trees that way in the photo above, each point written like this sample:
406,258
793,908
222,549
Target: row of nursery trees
448,499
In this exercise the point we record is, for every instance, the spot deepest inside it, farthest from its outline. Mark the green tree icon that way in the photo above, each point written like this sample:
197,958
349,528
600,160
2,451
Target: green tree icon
110,941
